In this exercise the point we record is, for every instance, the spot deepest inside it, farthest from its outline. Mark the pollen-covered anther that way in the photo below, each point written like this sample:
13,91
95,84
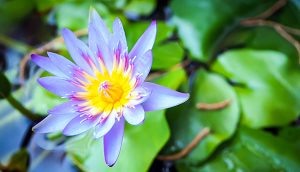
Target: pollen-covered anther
110,92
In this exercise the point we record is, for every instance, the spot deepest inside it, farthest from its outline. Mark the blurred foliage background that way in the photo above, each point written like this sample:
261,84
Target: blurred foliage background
239,60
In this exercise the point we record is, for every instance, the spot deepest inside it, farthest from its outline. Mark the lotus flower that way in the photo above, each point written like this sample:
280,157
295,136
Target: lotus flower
104,87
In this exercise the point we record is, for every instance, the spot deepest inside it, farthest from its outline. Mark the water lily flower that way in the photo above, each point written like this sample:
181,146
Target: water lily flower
104,87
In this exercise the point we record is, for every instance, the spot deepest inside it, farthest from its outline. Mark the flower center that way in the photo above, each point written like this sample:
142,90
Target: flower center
105,92
110,93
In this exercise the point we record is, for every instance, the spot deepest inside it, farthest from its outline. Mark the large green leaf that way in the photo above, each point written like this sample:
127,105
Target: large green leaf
201,24
268,86
171,79
290,14
139,7
186,121
291,134
165,53
46,4
66,17
266,37
252,150
135,30
140,145
12,12
261,38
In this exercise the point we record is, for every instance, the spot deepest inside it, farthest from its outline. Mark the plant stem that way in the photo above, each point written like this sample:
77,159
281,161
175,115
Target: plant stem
185,151
18,106
19,46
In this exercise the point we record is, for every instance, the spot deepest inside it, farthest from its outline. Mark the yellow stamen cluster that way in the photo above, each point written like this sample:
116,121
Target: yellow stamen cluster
107,91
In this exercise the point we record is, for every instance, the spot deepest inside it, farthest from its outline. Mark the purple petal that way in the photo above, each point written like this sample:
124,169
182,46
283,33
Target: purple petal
142,66
46,64
53,123
80,124
162,97
113,142
99,47
99,39
143,94
66,107
79,51
62,63
119,36
145,42
99,26
102,128
135,115
58,86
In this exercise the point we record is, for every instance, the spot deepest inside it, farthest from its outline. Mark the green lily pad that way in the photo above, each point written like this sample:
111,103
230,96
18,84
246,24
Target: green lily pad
165,53
291,134
13,12
47,4
261,38
290,14
202,24
172,79
252,150
139,7
186,121
67,18
266,37
267,86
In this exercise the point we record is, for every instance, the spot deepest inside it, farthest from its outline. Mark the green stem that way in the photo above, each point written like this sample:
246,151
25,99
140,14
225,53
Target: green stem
17,105
19,46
